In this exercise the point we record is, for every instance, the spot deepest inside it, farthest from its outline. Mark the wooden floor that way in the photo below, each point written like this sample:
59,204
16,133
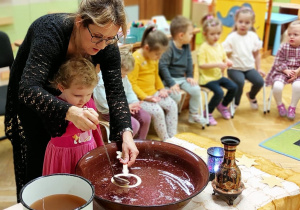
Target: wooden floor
251,126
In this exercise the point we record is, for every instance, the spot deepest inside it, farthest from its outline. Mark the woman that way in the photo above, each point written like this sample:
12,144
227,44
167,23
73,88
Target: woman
33,113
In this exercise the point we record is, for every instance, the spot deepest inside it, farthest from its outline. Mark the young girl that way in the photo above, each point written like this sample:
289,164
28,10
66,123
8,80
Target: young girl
76,80
140,119
212,62
285,70
242,47
148,86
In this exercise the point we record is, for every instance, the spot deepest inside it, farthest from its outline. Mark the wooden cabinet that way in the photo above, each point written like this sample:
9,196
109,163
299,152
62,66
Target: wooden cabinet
149,8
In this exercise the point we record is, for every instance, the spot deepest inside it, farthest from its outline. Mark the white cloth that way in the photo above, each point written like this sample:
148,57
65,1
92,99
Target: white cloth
241,49
255,195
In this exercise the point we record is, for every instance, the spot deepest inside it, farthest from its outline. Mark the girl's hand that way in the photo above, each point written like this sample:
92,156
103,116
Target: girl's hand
262,73
229,63
288,73
163,93
222,66
134,107
175,88
293,74
191,81
83,118
129,150
153,99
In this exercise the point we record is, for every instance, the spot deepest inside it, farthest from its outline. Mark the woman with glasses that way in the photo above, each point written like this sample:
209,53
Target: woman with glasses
33,112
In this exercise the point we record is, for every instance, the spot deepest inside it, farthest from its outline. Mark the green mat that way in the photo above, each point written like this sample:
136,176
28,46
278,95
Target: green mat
287,142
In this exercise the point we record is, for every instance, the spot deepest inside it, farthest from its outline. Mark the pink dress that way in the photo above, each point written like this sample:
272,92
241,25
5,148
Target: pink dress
287,57
63,153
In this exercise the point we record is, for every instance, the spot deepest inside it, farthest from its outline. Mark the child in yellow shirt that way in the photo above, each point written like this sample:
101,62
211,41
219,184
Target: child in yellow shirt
148,86
213,61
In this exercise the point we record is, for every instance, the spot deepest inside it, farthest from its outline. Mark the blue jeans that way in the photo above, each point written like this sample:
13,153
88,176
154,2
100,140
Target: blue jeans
239,77
215,87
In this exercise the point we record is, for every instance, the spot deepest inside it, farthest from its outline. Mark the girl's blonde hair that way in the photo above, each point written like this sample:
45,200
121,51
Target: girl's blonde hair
244,10
102,12
76,71
294,23
154,38
210,21
127,60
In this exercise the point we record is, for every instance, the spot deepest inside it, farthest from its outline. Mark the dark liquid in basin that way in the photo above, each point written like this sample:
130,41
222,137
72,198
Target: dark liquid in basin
58,202
163,182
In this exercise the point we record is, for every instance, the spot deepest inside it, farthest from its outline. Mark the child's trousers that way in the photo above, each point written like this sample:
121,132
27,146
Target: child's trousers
239,78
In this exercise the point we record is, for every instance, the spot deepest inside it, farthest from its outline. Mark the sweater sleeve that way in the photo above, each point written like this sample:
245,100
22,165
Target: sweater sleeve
158,83
47,51
164,63
110,65
189,70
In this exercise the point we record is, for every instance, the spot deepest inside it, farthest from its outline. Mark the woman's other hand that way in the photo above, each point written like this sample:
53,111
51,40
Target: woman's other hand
83,118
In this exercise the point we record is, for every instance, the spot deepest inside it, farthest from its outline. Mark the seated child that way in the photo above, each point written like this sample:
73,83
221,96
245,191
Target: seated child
213,61
76,80
148,86
140,119
285,70
176,66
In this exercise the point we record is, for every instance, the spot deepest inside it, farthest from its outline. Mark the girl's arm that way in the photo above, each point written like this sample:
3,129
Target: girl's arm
256,55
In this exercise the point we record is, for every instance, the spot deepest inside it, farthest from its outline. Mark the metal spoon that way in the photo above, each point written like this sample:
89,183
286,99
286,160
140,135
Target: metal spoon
118,180
122,181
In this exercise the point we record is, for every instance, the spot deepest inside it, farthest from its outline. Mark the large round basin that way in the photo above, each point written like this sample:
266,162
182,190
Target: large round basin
171,176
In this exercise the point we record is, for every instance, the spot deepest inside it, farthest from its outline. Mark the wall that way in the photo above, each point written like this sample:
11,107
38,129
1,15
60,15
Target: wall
24,12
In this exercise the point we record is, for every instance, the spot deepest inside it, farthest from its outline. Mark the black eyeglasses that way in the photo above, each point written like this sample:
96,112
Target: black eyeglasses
97,39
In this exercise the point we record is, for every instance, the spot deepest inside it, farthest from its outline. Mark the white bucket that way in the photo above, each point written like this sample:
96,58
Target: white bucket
58,184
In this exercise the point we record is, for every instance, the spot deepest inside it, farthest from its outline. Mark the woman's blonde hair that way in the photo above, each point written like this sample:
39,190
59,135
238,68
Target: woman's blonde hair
76,71
102,12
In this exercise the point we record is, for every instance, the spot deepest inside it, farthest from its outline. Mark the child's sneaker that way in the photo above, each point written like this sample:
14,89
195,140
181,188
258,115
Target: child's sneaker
196,118
253,102
224,111
212,120
282,110
291,113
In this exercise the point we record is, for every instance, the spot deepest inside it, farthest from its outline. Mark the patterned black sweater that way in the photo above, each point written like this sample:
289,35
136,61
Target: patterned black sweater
43,50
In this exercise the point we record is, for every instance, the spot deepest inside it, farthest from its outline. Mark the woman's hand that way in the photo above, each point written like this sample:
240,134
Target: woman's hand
129,149
83,118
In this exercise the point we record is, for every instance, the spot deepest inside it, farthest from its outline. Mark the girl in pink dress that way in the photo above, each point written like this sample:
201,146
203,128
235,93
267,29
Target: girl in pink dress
76,80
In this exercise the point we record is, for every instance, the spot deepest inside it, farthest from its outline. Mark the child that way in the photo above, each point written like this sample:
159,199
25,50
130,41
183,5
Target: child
212,62
76,80
242,47
285,70
176,66
148,86
140,119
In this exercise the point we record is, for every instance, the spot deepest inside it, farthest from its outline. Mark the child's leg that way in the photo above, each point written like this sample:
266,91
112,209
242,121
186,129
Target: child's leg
194,92
215,87
171,119
158,118
295,93
257,82
144,119
238,77
231,90
135,126
277,92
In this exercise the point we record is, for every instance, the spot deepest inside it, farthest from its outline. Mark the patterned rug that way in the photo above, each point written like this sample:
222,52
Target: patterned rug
287,142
